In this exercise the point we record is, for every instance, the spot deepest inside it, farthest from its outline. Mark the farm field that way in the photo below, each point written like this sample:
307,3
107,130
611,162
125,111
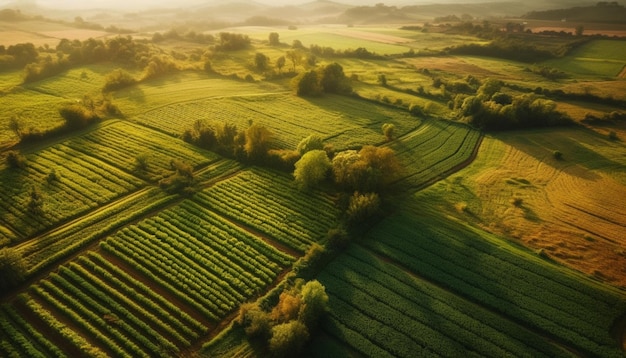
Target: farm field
120,239
570,208
458,290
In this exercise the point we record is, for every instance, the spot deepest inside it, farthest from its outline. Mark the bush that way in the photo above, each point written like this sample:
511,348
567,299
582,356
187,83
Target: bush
288,339
15,159
362,207
388,131
118,79
77,116
557,155
12,269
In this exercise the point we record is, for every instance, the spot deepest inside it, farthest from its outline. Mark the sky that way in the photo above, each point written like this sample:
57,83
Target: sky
143,4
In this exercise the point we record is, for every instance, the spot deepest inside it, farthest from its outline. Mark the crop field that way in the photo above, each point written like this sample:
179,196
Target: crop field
111,144
342,122
268,203
79,183
568,208
119,239
433,149
33,108
184,87
600,57
456,289
380,309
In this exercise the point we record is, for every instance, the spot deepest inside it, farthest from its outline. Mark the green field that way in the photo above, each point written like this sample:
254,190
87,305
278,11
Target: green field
417,269
131,242
600,57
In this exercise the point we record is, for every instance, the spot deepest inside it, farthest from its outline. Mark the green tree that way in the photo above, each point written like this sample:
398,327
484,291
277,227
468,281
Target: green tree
306,84
261,61
257,142
314,304
12,269
388,130
288,339
295,56
362,207
15,126
255,321
280,63
312,142
333,79
312,168
343,168
274,39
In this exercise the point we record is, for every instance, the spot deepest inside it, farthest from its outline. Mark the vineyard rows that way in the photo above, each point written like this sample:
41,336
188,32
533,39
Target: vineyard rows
270,204
111,144
345,123
434,150
509,281
200,257
82,183
387,306
43,251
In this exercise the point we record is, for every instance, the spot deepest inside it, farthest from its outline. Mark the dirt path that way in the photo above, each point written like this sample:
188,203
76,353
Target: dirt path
622,74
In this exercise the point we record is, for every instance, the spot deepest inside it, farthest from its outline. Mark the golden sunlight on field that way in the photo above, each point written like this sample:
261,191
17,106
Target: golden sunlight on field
574,214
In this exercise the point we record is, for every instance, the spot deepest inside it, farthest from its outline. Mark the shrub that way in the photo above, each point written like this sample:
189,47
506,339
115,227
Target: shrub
12,269
557,155
288,339
312,168
416,110
15,159
362,207
312,142
117,79
77,116
388,130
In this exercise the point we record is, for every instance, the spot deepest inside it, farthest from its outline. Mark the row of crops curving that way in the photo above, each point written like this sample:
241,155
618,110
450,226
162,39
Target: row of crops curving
425,285
433,149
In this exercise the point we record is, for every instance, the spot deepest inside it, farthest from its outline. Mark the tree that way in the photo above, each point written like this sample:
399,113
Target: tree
309,143
388,129
15,159
333,79
343,167
383,166
261,61
280,63
312,168
579,30
255,321
15,126
314,304
362,207
274,39
35,204
288,339
257,141
295,56
306,84
382,79
12,269
287,308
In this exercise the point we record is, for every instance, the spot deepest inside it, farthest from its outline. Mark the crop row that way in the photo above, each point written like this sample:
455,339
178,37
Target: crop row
21,339
197,255
272,206
73,340
138,291
436,150
120,144
289,118
53,246
475,328
500,282
81,183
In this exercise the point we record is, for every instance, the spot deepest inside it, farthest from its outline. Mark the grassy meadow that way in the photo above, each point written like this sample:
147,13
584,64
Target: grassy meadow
150,230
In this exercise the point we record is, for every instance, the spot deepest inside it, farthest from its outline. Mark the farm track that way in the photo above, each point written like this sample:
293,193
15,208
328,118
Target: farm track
550,337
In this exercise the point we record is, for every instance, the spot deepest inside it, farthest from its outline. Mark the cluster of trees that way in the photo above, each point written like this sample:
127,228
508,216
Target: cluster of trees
190,36
364,174
18,55
492,109
284,329
250,145
325,79
232,41
181,180
508,48
121,49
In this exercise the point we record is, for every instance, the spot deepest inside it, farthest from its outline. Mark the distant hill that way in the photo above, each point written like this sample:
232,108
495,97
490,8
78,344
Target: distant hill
607,12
